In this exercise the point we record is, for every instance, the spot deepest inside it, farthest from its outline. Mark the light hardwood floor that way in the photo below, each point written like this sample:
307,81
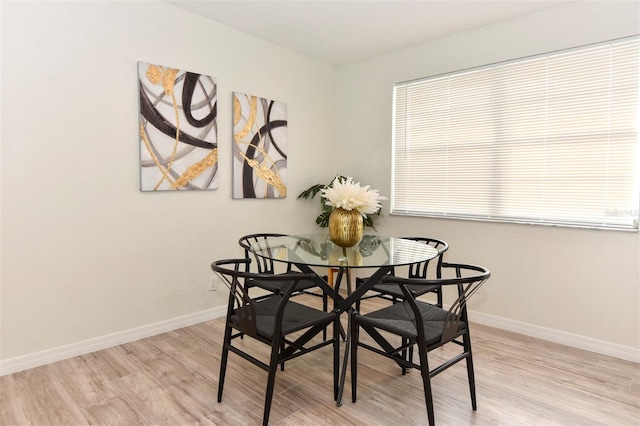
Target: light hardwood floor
171,379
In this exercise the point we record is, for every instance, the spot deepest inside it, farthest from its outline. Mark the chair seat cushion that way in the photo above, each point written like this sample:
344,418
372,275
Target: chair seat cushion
275,286
400,319
296,317
395,291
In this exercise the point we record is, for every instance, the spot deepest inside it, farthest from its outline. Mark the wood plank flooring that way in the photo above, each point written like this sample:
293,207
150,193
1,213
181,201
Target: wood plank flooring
171,379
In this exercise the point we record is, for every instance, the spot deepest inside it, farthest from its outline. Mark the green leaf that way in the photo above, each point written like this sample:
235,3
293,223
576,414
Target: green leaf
311,192
323,219
368,221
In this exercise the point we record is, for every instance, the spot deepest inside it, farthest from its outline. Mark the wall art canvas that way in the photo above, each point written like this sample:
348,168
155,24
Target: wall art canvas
260,147
178,129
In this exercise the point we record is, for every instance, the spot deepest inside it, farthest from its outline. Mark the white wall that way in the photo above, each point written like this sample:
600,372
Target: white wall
576,284
84,253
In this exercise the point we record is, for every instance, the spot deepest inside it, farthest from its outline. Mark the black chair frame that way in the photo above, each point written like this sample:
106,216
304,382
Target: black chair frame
270,320
266,266
392,292
422,324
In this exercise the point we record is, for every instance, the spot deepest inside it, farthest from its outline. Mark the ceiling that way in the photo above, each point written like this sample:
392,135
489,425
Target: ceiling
339,32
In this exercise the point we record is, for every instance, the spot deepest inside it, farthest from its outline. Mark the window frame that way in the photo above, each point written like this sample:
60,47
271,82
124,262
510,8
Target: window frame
632,212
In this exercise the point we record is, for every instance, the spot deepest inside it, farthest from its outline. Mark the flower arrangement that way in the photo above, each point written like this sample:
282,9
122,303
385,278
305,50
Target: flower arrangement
349,195
346,194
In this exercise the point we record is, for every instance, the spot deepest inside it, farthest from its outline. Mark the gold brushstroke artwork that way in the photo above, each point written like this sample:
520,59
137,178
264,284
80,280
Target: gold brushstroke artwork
260,147
178,129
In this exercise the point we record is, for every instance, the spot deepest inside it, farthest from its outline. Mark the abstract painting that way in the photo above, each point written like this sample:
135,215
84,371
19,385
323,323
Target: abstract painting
260,147
178,129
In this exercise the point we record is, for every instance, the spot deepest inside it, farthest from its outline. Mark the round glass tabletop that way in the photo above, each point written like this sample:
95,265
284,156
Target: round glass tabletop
317,249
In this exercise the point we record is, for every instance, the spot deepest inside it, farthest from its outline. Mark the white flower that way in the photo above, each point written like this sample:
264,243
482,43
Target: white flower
349,195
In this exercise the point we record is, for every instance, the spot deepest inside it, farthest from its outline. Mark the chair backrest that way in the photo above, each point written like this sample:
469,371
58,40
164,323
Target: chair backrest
467,278
420,269
263,265
233,273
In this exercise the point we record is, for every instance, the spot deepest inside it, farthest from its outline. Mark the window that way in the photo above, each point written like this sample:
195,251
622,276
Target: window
550,139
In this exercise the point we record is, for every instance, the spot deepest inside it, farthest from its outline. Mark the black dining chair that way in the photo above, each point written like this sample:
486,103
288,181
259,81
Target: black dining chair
392,292
266,266
285,326
421,324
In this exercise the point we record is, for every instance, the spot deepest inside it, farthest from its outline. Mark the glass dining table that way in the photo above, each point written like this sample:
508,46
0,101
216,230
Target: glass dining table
379,253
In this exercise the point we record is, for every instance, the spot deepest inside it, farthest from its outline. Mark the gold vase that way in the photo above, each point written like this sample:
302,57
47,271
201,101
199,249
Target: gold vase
345,227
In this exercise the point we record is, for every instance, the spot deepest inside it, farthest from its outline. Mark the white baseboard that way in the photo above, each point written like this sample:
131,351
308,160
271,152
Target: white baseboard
13,365
24,362
627,353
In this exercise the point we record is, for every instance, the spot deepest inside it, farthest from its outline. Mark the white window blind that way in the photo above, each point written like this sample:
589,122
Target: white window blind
551,139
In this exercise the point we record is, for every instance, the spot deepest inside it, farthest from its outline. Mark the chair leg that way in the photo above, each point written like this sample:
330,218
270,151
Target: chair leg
271,380
404,354
325,305
282,351
409,358
426,383
411,354
355,337
336,356
223,361
466,339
